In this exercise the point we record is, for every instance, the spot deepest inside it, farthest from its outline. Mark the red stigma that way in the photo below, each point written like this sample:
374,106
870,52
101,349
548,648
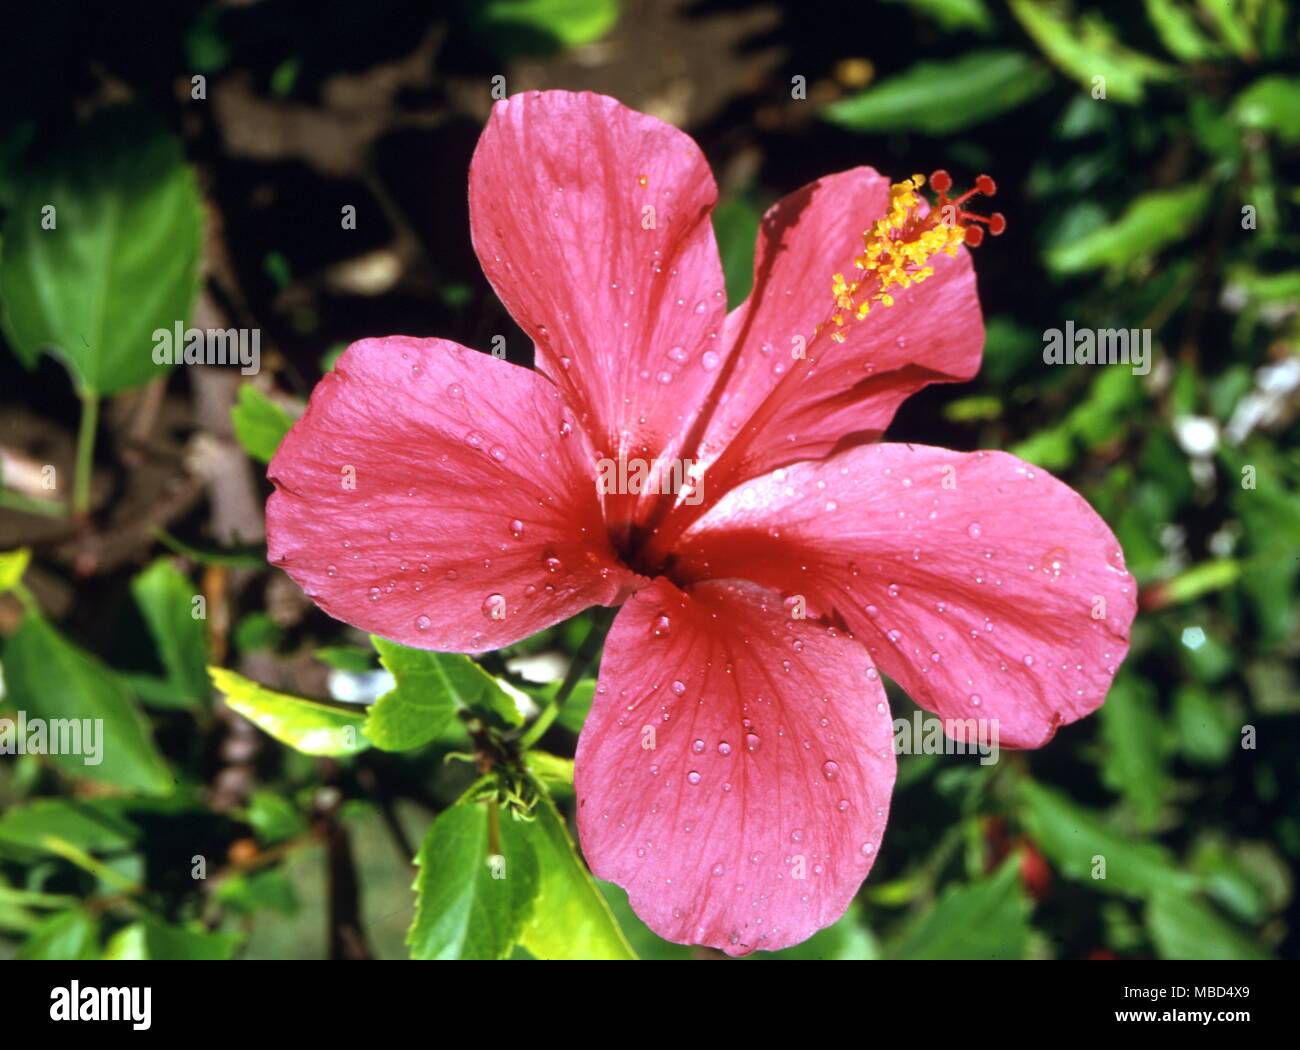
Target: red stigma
941,182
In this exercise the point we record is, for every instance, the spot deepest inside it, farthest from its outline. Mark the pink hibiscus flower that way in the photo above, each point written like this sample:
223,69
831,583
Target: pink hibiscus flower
734,773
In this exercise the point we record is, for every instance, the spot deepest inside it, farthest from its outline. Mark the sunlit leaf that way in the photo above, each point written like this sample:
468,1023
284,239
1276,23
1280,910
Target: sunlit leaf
309,726
12,566
571,919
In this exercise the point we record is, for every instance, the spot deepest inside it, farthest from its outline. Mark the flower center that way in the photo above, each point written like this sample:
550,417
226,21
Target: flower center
898,248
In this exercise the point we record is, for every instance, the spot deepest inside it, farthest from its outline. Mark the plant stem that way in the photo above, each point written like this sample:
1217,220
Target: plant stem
85,454
600,621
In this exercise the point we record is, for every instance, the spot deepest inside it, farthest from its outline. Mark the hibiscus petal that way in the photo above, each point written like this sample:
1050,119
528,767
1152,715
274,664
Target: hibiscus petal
982,585
781,408
591,222
757,812
441,498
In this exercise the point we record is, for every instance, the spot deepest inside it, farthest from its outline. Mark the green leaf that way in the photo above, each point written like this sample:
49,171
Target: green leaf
309,726
645,942
1198,581
573,713
554,771
1176,25
51,679
273,818
952,15
431,689
122,260
165,596
988,919
352,658
1089,48
251,892
12,566
1077,840
938,98
462,911
90,826
260,423
1134,753
1148,224
735,225
1232,20
70,935
1271,104
1207,728
1184,927
528,27
571,919
151,938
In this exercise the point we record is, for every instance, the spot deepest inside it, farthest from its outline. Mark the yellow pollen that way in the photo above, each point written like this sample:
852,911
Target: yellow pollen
895,253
